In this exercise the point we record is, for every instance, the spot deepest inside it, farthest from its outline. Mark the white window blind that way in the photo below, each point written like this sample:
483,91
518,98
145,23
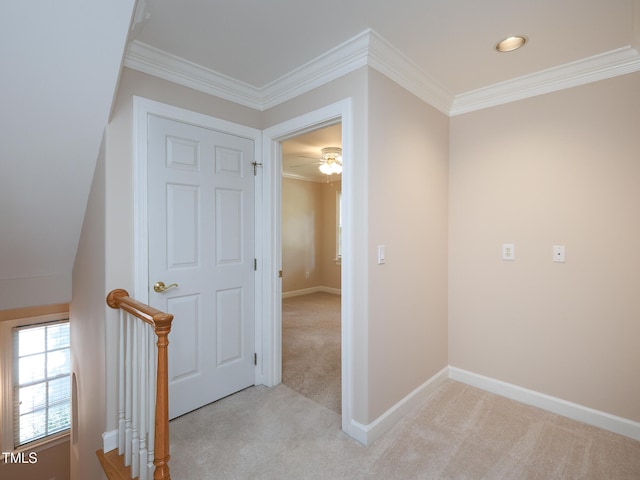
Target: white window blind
41,381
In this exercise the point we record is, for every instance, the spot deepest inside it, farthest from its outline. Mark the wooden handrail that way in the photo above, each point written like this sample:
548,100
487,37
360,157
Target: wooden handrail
120,298
161,323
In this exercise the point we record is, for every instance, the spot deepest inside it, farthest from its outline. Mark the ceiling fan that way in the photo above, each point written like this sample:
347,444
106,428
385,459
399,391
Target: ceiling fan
330,161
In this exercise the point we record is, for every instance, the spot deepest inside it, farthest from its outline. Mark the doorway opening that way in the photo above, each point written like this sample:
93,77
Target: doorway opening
270,231
311,234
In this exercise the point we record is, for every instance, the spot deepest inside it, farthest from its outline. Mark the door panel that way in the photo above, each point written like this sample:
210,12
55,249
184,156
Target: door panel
182,226
201,236
229,226
229,326
186,360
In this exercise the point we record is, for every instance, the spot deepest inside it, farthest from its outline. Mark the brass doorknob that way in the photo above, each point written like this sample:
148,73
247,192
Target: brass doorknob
160,286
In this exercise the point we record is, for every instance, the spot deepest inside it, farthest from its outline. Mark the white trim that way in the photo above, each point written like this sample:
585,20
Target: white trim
370,48
340,111
389,61
588,70
307,291
142,108
153,61
295,176
109,441
597,418
337,62
367,434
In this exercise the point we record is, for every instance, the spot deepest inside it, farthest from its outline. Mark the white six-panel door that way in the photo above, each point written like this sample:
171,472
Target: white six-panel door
201,237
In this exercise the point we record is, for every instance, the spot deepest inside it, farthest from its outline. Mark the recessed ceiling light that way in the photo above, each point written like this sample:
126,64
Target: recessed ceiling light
511,43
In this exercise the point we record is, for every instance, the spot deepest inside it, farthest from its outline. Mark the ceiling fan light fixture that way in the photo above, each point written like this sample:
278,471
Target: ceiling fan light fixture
331,160
325,168
334,153
510,44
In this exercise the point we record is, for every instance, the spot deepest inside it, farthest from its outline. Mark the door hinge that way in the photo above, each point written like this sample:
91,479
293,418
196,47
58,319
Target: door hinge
255,359
255,167
255,264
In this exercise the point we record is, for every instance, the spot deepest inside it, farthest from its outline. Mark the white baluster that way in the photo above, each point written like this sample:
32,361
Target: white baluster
142,424
121,377
135,367
128,389
152,367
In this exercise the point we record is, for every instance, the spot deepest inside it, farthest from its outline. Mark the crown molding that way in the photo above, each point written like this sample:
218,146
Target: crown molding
366,48
156,62
335,63
329,66
389,61
296,176
369,48
598,67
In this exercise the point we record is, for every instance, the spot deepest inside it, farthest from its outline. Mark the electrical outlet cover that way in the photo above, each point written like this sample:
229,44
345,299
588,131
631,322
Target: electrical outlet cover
558,254
508,251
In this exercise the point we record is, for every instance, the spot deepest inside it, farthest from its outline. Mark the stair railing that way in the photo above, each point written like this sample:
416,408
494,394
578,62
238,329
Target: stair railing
143,386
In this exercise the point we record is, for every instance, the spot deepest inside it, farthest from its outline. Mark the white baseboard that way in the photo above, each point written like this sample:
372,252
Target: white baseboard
587,415
109,441
307,291
367,434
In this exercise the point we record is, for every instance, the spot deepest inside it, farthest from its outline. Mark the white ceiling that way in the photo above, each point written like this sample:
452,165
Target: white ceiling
446,44
451,41
61,61
446,47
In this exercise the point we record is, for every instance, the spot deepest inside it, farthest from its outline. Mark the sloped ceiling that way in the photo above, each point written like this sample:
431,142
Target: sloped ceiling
61,61
60,66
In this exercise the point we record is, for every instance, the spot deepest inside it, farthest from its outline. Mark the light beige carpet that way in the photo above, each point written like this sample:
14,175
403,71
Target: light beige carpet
311,339
460,432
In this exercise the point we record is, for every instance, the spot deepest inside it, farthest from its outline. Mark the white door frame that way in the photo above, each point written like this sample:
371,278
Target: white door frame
268,311
142,108
271,209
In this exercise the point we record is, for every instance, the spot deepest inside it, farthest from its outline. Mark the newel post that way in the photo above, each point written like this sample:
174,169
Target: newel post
161,461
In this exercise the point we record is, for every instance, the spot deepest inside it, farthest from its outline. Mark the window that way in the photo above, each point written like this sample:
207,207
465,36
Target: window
37,394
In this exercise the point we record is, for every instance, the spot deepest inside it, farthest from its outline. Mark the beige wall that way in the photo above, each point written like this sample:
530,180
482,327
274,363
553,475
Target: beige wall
553,169
87,320
309,235
408,190
563,168
53,462
28,312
